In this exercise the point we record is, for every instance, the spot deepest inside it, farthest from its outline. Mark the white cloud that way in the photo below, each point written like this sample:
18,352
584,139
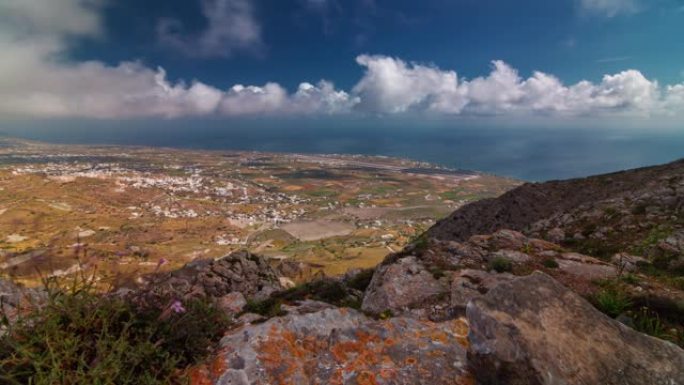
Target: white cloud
392,86
37,80
231,27
610,8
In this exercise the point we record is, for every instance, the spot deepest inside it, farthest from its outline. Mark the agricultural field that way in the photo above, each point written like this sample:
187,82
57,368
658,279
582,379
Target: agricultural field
127,211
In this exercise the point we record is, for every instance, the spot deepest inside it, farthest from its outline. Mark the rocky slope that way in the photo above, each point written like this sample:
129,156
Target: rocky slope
504,291
574,282
639,211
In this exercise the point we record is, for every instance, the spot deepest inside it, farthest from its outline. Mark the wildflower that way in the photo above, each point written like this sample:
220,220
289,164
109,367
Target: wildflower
177,307
162,262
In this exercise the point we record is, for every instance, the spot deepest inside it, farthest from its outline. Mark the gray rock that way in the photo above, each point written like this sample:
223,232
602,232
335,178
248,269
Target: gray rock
555,235
232,303
510,255
469,284
628,262
342,346
241,272
585,267
400,286
534,331
507,239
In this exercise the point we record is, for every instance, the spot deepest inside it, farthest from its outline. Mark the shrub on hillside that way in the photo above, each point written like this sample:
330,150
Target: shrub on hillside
81,337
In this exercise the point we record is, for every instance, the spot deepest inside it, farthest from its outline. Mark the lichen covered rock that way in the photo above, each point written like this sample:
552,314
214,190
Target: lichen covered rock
341,346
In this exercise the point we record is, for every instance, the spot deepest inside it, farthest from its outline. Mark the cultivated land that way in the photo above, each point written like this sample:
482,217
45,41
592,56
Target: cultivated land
123,209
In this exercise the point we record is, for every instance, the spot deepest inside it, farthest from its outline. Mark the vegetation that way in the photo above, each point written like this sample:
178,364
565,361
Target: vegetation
81,337
326,290
612,300
500,265
550,263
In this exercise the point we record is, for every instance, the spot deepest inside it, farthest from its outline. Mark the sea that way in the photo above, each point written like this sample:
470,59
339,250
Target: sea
528,153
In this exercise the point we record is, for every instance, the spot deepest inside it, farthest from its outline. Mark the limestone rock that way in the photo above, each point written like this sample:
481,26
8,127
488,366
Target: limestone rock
585,267
232,303
401,285
241,272
470,284
342,346
628,262
534,331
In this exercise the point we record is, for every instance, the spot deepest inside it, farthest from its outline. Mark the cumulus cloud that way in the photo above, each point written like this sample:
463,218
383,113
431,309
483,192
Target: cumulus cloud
231,27
37,80
391,85
610,8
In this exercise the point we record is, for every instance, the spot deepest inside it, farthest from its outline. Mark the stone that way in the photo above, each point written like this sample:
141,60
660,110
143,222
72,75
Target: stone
232,303
510,255
400,286
342,346
585,267
250,318
469,284
240,271
286,283
555,235
306,306
534,331
507,239
628,262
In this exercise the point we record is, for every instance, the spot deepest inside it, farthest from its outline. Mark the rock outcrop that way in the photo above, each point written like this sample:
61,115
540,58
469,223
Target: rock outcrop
341,346
534,331
638,210
239,272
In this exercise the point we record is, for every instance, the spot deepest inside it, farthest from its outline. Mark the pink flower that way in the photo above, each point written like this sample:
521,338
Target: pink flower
162,261
177,307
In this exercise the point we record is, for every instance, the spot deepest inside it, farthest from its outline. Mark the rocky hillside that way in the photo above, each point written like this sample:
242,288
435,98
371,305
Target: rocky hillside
637,211
571,282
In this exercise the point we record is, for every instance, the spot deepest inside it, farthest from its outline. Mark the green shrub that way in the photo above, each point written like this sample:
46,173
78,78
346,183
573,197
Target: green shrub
550,263
269,307
648,322
80,337
629,278
612,301
500,265
361,280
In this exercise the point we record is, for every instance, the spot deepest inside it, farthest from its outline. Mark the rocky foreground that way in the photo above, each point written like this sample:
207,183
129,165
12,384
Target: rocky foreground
555,283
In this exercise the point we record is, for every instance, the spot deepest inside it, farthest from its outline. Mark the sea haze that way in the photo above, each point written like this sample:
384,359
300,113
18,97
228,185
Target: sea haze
533,154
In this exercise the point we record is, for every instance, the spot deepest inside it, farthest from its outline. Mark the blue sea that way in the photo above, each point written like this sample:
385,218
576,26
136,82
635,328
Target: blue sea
528,153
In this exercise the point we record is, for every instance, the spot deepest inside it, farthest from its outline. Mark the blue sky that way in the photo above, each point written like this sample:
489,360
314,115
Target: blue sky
602,60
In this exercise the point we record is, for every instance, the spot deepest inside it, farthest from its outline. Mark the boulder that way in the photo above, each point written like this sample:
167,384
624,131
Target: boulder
241,272
469,284
340,346
402,285
534,331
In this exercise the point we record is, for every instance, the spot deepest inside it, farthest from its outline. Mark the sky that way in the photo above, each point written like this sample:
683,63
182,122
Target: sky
605,62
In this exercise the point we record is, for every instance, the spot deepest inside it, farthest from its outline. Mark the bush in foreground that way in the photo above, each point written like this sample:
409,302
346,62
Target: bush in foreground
80,337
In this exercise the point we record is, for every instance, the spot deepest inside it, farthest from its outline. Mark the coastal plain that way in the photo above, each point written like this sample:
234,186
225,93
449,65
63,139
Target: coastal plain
122,212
